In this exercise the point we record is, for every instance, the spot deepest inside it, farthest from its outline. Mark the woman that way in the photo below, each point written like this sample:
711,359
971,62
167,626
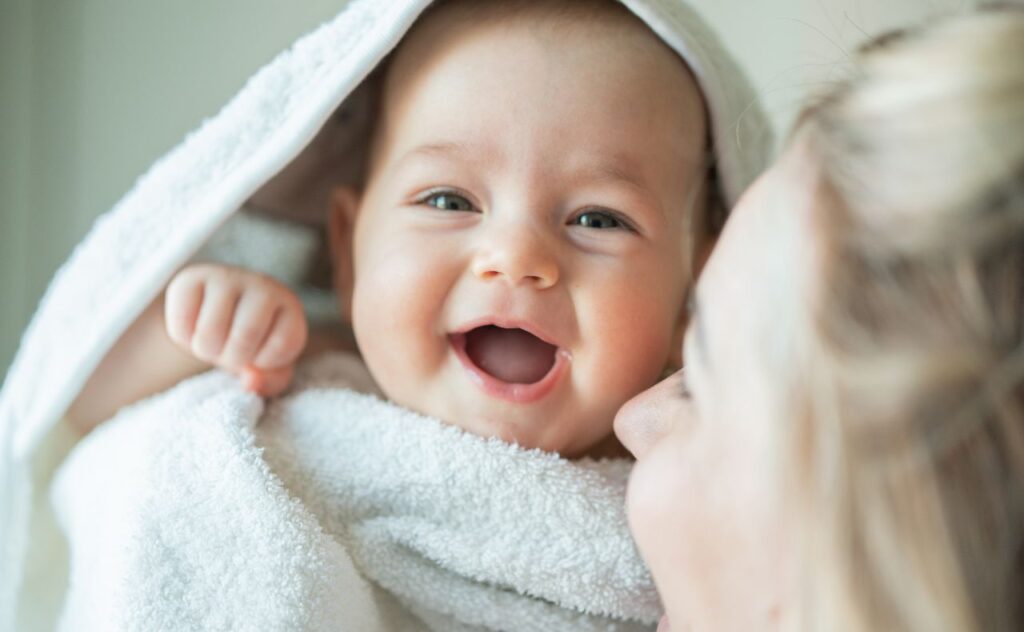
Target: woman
845,450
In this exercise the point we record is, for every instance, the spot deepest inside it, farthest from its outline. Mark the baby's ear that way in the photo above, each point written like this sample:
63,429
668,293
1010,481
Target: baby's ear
702,251
341,219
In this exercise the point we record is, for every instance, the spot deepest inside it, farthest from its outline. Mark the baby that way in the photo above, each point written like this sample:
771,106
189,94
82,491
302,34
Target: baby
517,260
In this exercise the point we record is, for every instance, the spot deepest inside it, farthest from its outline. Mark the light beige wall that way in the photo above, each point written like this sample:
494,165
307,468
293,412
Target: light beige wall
796,48
93,91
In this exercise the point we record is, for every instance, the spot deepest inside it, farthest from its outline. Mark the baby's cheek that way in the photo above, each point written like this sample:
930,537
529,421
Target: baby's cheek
633,334
394,316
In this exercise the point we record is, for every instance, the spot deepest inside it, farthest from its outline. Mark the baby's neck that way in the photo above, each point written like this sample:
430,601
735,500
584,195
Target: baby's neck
608,448
323,338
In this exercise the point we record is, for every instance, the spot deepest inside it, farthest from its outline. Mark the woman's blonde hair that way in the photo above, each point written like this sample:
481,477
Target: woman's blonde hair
909,446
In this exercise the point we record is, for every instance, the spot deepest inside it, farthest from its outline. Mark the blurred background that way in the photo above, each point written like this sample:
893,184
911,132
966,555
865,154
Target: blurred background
93,91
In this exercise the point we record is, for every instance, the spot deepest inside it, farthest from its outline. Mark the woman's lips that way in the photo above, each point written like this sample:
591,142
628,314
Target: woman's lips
511,391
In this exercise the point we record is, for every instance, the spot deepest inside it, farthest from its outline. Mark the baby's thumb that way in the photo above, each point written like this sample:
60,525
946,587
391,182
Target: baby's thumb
267,382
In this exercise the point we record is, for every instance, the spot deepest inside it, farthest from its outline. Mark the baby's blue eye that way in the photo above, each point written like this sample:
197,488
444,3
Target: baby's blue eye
598,219
447,201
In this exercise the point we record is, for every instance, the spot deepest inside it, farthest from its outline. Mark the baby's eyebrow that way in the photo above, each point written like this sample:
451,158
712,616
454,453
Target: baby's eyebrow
591,168
444,147
612,171
620,171
440,149
615,170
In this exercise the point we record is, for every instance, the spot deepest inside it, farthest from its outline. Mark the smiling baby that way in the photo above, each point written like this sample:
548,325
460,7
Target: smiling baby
538,198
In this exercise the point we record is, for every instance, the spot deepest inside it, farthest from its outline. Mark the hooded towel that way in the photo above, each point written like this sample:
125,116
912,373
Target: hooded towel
298,118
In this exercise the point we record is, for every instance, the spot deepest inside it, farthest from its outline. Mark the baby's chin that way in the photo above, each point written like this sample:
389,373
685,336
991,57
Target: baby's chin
532,431
549,417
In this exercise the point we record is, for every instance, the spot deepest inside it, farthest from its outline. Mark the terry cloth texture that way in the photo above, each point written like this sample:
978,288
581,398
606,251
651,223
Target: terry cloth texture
183,513
296,124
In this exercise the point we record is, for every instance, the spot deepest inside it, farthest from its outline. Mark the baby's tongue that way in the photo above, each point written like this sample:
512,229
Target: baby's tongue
511,355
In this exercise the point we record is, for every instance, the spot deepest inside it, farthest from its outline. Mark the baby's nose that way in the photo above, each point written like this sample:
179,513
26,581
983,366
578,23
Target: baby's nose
517,254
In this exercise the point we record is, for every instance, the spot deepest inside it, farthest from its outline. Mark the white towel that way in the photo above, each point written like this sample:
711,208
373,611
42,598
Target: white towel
254,149
183,513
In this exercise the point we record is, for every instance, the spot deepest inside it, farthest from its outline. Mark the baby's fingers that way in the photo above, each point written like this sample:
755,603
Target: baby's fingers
268,382
214,322
182,301
253,318
286,339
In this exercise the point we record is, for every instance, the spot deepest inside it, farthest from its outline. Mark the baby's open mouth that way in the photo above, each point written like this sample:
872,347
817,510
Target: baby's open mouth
510,355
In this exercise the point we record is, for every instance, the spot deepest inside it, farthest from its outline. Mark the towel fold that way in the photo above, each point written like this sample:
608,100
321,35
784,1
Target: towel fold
337,511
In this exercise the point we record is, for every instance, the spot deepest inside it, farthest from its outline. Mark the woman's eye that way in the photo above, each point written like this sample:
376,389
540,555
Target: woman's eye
684,386
448,201
601,220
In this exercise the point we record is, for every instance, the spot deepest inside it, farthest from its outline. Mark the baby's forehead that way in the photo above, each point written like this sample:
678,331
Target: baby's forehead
603,22
601,30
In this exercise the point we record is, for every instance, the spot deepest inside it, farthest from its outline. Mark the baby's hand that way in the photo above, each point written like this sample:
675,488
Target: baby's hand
239,320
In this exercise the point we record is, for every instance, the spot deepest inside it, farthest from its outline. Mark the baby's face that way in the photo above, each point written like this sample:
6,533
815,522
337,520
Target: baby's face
521,249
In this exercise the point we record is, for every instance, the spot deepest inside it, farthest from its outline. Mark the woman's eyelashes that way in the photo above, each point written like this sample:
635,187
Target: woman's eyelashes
684,386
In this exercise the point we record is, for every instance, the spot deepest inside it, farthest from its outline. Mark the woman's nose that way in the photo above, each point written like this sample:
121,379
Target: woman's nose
644,420
517,254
